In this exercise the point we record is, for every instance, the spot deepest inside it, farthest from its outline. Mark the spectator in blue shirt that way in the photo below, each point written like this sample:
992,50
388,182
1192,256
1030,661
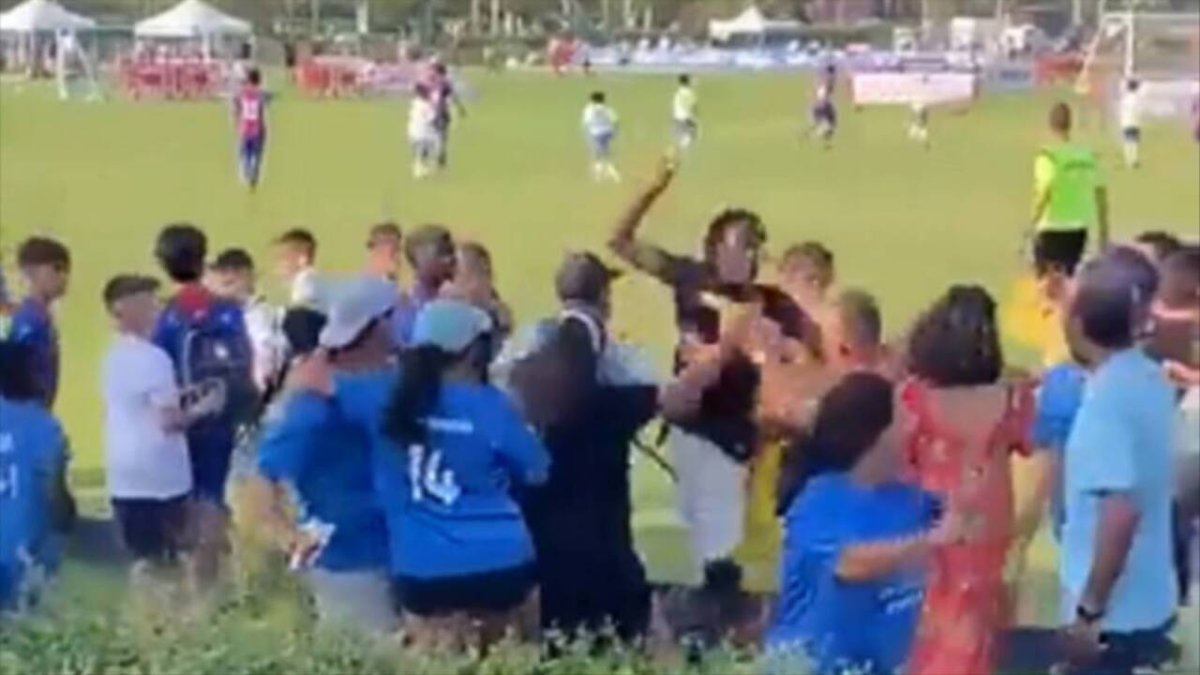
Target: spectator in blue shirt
46,266
446,448
34,501
1116,564
323,455
459,543
856,538
206,338
431,254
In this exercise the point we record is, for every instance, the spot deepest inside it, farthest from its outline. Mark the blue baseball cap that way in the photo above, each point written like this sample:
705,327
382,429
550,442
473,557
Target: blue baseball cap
450,325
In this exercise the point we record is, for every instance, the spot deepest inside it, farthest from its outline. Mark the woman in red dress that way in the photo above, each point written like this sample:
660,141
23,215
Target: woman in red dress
965,422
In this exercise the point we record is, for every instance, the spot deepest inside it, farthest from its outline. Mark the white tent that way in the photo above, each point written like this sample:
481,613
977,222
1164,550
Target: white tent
191,19
34,16
751,23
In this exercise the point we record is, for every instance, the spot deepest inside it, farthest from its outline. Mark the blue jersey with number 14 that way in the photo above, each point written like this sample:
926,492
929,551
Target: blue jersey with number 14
447,501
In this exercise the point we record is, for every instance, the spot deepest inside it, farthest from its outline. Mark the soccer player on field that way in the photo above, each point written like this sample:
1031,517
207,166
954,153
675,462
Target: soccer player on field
1131,123
824,117
600,126
918,125
683,113
249,114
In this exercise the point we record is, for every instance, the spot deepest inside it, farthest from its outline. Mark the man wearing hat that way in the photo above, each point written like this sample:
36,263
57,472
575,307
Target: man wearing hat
583,284
319,452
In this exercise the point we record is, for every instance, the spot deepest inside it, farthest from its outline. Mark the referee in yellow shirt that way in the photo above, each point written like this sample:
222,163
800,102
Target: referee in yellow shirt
1070,200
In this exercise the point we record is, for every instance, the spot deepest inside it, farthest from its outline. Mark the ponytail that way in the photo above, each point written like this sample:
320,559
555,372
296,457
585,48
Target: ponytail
416,394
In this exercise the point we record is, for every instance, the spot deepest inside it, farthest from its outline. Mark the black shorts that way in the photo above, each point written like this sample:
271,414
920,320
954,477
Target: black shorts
1059,251
495,591
154,529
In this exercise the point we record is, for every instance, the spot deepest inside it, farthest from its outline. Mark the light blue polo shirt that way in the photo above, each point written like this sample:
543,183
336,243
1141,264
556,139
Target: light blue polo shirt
1122,442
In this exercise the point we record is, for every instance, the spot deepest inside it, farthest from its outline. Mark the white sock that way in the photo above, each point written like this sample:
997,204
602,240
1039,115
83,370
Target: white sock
1132,154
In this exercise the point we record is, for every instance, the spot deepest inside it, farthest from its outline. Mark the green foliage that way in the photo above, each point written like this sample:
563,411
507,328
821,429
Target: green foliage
236,638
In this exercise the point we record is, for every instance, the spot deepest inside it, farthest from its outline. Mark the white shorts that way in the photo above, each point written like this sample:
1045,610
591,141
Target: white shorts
358,600
711,496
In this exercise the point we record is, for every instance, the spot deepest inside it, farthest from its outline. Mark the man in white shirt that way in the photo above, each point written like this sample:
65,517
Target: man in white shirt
295,261
600,127
683,113
146,453
422,132
1131,123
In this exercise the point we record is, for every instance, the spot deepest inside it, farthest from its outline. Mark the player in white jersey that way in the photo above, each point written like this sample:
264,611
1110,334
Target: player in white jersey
918,124
600,127
422,132
1131,123
683,113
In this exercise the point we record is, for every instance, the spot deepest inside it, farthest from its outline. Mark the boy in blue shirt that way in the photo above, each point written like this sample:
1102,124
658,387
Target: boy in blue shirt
318,451
206,338
855,542
34,500
46,266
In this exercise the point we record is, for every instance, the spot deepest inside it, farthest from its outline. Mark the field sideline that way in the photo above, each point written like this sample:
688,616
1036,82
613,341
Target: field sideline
903,222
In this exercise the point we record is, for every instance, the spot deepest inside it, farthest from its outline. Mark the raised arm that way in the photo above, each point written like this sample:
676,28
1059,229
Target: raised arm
624,241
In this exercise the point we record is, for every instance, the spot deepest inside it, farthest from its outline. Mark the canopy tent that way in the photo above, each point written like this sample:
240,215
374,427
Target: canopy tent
191,19
35,16
751,23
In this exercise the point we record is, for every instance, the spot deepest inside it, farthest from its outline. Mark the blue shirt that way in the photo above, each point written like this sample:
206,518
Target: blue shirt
447,502
32,453
211,440
1058,402
404,317
32,325
1122,442
326,460
865,626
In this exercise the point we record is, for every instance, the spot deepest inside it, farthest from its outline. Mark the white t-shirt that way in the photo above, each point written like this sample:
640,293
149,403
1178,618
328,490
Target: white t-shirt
143,460
599,119
308,290
1131,110
264,326
684,105
421,116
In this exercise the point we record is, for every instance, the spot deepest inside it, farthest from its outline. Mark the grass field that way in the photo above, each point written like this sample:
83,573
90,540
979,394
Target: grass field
904,222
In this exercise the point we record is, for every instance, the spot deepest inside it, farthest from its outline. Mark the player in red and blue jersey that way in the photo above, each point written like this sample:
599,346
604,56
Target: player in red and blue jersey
249,113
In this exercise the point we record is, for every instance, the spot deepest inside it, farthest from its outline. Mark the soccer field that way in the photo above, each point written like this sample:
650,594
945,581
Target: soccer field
904,222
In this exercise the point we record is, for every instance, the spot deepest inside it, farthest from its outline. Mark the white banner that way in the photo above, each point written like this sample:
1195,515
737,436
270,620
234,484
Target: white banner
1170,98
902,88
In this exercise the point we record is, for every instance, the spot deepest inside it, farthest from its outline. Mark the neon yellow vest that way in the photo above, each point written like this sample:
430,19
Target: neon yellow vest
1072,204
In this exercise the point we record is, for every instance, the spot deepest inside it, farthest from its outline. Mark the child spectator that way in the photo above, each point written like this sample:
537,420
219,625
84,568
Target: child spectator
46,266
146,453
432,256
205,337
318,452
295,262
34,500
234,278
474,282
384,250
856,540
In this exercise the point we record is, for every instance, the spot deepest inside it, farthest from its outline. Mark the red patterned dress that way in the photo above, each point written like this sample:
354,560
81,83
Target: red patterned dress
960,448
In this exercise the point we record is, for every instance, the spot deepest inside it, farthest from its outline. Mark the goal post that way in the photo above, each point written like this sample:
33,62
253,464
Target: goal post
1159,49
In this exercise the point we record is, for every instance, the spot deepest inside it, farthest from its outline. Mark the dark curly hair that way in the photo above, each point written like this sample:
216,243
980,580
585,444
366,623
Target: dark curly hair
723,221
956,342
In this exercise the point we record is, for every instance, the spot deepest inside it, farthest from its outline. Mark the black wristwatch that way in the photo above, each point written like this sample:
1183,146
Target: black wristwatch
1088,616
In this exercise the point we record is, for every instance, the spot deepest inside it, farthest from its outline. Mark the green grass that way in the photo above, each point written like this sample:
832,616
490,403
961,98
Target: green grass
904,222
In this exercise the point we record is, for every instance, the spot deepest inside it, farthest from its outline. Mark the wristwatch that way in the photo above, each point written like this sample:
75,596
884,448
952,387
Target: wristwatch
1088,616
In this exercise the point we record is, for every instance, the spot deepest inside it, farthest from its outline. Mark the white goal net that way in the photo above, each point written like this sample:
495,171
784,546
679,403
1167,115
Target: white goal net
1159,49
